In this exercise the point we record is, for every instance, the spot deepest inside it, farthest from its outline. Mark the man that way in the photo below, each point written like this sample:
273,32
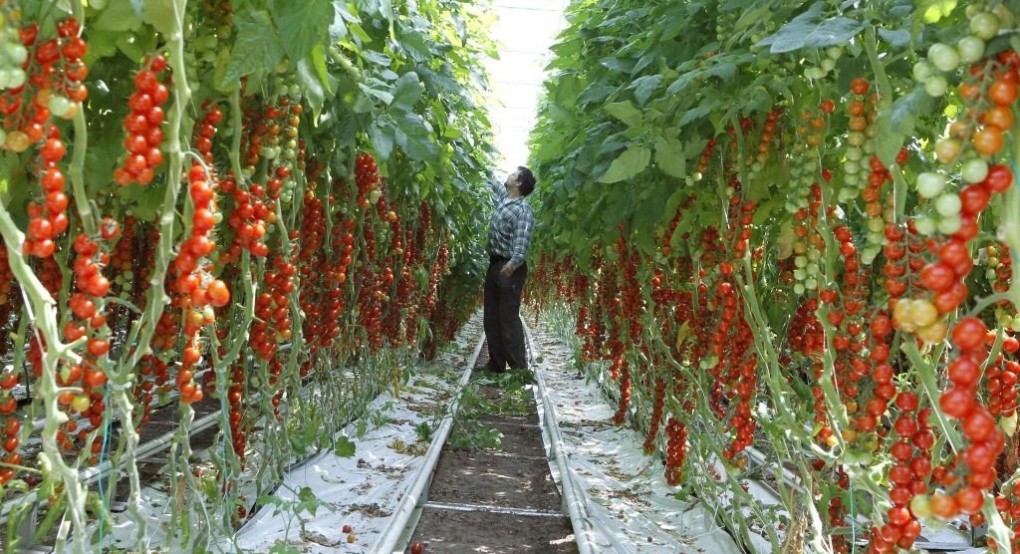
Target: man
510,231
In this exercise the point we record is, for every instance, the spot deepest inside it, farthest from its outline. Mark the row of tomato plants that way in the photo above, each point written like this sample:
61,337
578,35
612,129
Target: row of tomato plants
828,285
192,216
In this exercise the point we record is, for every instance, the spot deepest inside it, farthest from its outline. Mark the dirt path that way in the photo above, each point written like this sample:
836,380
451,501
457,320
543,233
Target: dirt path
494,498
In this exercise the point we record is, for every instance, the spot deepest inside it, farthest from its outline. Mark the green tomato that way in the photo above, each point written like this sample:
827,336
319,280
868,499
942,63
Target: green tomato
936,86
17,78
984,25
59,105
834,52
971,49
930,184
16,53
944,57
828,64
922,71
869,253
800,262
950,225
1005,16
798,289
974,170
876,224
80,403
948,205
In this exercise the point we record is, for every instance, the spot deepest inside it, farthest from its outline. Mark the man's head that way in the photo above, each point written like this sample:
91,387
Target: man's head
523,179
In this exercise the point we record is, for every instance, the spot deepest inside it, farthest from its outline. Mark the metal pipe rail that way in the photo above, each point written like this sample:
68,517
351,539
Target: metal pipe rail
573,495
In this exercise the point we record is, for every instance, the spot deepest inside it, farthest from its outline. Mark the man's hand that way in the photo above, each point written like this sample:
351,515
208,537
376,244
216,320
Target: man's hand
507,270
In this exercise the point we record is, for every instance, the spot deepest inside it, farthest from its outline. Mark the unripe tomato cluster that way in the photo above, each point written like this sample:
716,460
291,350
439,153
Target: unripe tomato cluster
860,139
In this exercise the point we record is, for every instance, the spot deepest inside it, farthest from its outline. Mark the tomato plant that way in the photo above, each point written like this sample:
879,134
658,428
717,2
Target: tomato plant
863,301
207,203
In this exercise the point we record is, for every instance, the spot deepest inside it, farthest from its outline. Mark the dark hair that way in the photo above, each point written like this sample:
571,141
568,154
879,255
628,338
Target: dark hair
526,180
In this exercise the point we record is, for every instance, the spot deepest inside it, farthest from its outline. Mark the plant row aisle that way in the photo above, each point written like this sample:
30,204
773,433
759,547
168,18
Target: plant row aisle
804,221
267,207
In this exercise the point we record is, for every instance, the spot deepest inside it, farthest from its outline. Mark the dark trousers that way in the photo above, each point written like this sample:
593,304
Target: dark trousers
502,316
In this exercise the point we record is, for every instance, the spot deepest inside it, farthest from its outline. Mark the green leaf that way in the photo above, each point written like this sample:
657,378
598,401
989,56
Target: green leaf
256,49
724,71
160,14
303,24
632,161
415,136
899,38
625,112
595,93
933,10
311,86
318,61
345,448
809,30
408,90
616,64
682,82
383,96
644,87
382,140
669,156
119,16
905,110
136,47
888,141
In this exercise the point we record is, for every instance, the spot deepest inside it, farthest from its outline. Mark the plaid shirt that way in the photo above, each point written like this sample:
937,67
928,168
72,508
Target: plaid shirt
510,228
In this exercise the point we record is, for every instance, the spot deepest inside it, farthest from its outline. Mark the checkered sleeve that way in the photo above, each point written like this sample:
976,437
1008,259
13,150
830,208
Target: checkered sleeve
498,192
522,235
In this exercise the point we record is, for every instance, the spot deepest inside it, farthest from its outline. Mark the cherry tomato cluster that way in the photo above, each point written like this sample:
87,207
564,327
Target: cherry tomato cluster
861,109
55,73
88,306
1008,505
909,475
205,131
676,451
250,219
961,401
48,220
706,156
144,125
238,422
11,456
272,308
197,290
313,269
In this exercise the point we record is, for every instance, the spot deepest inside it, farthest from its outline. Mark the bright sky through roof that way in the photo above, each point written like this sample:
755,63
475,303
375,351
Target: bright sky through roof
524,30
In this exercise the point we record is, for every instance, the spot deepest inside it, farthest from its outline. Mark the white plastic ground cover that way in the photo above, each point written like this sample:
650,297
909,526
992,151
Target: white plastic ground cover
361,491
625,497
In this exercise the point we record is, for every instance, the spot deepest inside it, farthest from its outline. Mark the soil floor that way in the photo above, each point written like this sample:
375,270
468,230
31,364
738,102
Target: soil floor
495,500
